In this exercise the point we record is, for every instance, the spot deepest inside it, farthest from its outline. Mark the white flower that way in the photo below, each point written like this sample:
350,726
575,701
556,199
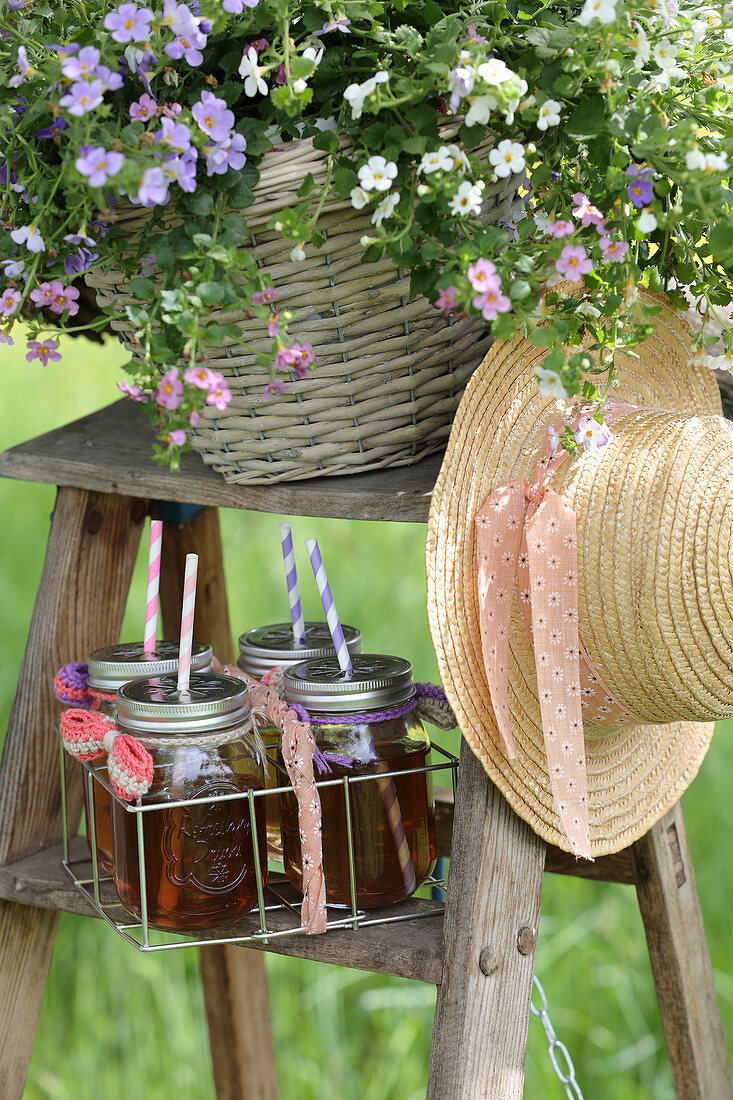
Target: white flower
298,254
467,199
542,221
355,94
30,236
720,362
494,71
550,383
377,174
728,11
640,45
366,240
588,310
696,159
439,161
647,223
508,157
602,10
251,73
480,110
716,162
385,208
549,114
590,434
631,294
458,155
359,198
665,54
314,54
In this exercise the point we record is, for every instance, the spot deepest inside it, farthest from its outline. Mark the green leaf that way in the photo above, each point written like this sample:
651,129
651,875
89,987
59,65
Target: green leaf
142,288
210,293
307,187
588,118
327,141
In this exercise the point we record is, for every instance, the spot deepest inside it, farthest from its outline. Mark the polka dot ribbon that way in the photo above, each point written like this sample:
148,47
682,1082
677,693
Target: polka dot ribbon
526,535
87,735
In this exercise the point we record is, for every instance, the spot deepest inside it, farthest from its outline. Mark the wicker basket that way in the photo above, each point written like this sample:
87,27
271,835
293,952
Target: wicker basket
389,372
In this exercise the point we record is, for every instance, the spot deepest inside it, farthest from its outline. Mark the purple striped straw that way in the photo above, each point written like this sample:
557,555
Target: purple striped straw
329,607
291,577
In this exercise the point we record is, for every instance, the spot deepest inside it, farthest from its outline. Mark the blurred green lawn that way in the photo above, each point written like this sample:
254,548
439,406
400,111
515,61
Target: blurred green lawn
119,1024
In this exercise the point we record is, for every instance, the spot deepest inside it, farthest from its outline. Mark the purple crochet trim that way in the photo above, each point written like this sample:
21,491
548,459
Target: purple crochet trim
424,690
368,718
324,760
76,674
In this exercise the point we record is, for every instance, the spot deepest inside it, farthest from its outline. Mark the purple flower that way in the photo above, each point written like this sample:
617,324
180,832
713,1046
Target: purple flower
64,51
134,392
152,188
24,69
82,65
302,358
590,434
80,261
177,437
213,117
226,154
143,109
43,350
111,81
175,136
264,297
170,390
96,163
188,46
573,263
79,238
613,251
53,130
274,387
82,97
129,23
461,83
13,268
183,169
171,110
447,300
640,191
64,297
340,23
179,18
6,339
236,7
16,5
9,300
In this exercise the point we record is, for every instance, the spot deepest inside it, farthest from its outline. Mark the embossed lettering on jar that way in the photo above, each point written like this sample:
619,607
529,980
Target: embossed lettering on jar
200,862
366,728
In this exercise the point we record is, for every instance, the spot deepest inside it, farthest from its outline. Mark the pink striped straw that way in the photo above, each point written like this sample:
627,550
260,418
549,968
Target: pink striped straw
151,603
186,643
329,607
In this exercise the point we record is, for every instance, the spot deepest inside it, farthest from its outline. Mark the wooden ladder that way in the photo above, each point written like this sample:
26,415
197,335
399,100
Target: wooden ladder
480,956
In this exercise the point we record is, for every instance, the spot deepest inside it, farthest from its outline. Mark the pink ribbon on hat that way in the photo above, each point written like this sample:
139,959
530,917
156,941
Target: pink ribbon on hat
526,533
88,735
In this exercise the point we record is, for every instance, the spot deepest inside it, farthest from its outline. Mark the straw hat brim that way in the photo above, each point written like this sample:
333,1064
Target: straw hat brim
637,774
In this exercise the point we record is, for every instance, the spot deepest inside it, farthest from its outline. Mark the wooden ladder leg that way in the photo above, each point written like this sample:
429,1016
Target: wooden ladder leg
490,934
670,908
234,979
79,607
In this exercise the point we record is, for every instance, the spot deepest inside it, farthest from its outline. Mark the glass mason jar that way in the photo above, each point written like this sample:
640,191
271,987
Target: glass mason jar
200,863
268,647
361,727
109,669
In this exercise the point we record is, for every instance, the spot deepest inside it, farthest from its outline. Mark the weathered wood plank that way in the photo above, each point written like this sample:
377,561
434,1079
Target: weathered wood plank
235,987
411,948
494,889
670,908
110,451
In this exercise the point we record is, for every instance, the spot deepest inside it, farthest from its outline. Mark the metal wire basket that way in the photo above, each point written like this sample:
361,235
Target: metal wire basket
277,914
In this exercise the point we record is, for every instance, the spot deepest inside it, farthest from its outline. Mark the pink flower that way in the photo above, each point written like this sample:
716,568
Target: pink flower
64,298
264,297
273,387
132,391
284,359
194,418
447,300
6,339
43,350
590,434
586,211
273,328
220,395
170,390
613,251
43,295
201,376
482,275
9,301
177,437
492,302
144,108
560,229
573,263
302,358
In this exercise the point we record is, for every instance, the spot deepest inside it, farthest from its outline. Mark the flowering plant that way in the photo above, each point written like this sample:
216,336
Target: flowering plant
610,121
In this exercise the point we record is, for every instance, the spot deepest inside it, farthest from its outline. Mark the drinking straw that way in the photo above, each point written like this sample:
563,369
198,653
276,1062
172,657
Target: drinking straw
186,643
386,786
329,607
291,577
151,604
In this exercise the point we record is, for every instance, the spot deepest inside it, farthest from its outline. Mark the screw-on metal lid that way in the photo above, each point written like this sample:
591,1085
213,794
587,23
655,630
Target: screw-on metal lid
153,705
262,649
113,666
377,681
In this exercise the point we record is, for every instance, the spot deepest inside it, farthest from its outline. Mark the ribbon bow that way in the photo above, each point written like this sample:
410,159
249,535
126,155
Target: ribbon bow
87,735
527,533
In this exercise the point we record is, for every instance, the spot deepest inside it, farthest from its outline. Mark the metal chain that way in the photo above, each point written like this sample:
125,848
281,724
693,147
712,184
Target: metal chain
572,1088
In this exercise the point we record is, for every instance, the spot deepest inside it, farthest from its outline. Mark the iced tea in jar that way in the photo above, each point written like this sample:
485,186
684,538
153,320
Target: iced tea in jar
366,727
200,862
274,646
110,668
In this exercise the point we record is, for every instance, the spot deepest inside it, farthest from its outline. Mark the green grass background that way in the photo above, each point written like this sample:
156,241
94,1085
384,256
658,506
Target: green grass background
119,1024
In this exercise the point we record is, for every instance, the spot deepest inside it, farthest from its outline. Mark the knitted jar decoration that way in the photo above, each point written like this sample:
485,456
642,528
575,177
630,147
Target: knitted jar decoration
87,736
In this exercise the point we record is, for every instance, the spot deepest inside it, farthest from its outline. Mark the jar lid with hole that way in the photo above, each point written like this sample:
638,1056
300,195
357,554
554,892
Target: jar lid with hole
154,705
265,647
377,681
114,665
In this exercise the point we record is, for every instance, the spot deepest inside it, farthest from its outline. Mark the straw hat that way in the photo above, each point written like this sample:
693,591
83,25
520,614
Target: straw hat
654,515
